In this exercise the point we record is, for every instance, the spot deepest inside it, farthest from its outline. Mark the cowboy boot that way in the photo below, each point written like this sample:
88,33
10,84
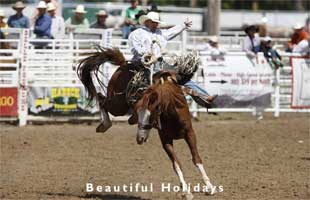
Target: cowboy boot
204,101
200,99
105,119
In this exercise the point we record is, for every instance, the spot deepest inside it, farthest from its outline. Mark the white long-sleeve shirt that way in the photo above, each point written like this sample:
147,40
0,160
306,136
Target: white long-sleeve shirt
58,27
140,41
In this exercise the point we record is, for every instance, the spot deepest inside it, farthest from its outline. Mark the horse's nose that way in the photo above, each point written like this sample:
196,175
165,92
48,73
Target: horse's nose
140,140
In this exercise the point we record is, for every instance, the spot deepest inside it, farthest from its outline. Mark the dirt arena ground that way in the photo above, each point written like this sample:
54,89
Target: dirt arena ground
267,159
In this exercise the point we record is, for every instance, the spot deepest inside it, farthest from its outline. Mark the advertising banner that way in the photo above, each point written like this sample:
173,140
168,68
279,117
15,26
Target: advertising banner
8,102
8,78
63,101
239,80
300,82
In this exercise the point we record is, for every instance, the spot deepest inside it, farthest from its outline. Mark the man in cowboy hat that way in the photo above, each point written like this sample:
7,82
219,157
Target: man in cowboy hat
18,20
58,23
298,36
78,20
43,23
251,41
101,20
151,40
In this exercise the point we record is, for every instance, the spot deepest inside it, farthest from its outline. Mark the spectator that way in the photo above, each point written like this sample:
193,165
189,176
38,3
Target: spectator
251,42
57,6
42,27
101,20
212,47
18,20
298,35
271,55
3,24
303,47
58,23
78,20
130,19
57,10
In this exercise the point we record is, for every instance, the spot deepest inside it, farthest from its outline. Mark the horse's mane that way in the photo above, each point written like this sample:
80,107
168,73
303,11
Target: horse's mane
169,95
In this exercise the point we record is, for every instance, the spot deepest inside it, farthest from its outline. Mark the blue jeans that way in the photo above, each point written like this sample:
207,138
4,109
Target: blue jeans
194,86
191,84
126,30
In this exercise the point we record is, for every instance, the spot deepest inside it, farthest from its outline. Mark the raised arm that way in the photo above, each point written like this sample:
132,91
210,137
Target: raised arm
176,30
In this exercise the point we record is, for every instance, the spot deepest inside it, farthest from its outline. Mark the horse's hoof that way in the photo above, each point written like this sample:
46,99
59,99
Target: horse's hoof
210,193
187,196
103,127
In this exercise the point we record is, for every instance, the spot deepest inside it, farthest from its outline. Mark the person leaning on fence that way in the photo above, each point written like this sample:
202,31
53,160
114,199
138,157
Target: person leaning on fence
251,42
149,42
130,21
78,20
43,23
299,40
19,20
271,55
213,47
58,23
101,20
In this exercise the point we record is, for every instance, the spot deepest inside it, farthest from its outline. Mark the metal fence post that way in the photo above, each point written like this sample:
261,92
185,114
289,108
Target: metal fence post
23,84
277,93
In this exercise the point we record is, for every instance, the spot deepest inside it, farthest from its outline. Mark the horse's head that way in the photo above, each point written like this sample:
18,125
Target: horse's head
147,109
163,97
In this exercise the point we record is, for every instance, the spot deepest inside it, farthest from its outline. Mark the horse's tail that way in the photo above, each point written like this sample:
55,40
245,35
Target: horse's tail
92,64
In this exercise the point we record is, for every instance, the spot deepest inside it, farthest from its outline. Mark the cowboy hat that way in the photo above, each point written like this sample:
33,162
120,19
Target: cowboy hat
214,39
153,16
251,27
42,4
102,13
298,26
18,4
80,9
267,39
51,6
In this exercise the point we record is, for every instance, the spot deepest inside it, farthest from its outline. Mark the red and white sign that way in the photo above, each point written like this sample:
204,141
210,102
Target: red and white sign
300,82
8,102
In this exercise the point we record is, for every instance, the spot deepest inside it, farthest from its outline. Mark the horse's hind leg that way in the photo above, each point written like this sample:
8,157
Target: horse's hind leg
105,119
190,139
168,147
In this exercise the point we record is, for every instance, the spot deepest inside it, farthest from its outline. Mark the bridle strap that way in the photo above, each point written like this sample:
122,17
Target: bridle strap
145,126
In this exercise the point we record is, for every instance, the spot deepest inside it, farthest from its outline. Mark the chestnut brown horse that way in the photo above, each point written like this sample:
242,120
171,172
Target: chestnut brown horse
164,107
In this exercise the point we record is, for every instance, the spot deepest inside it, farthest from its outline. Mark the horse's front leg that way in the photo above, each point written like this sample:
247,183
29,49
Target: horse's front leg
190,139
168,147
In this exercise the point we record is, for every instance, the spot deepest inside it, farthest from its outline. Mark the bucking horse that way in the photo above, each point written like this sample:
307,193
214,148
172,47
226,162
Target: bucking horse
160,105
